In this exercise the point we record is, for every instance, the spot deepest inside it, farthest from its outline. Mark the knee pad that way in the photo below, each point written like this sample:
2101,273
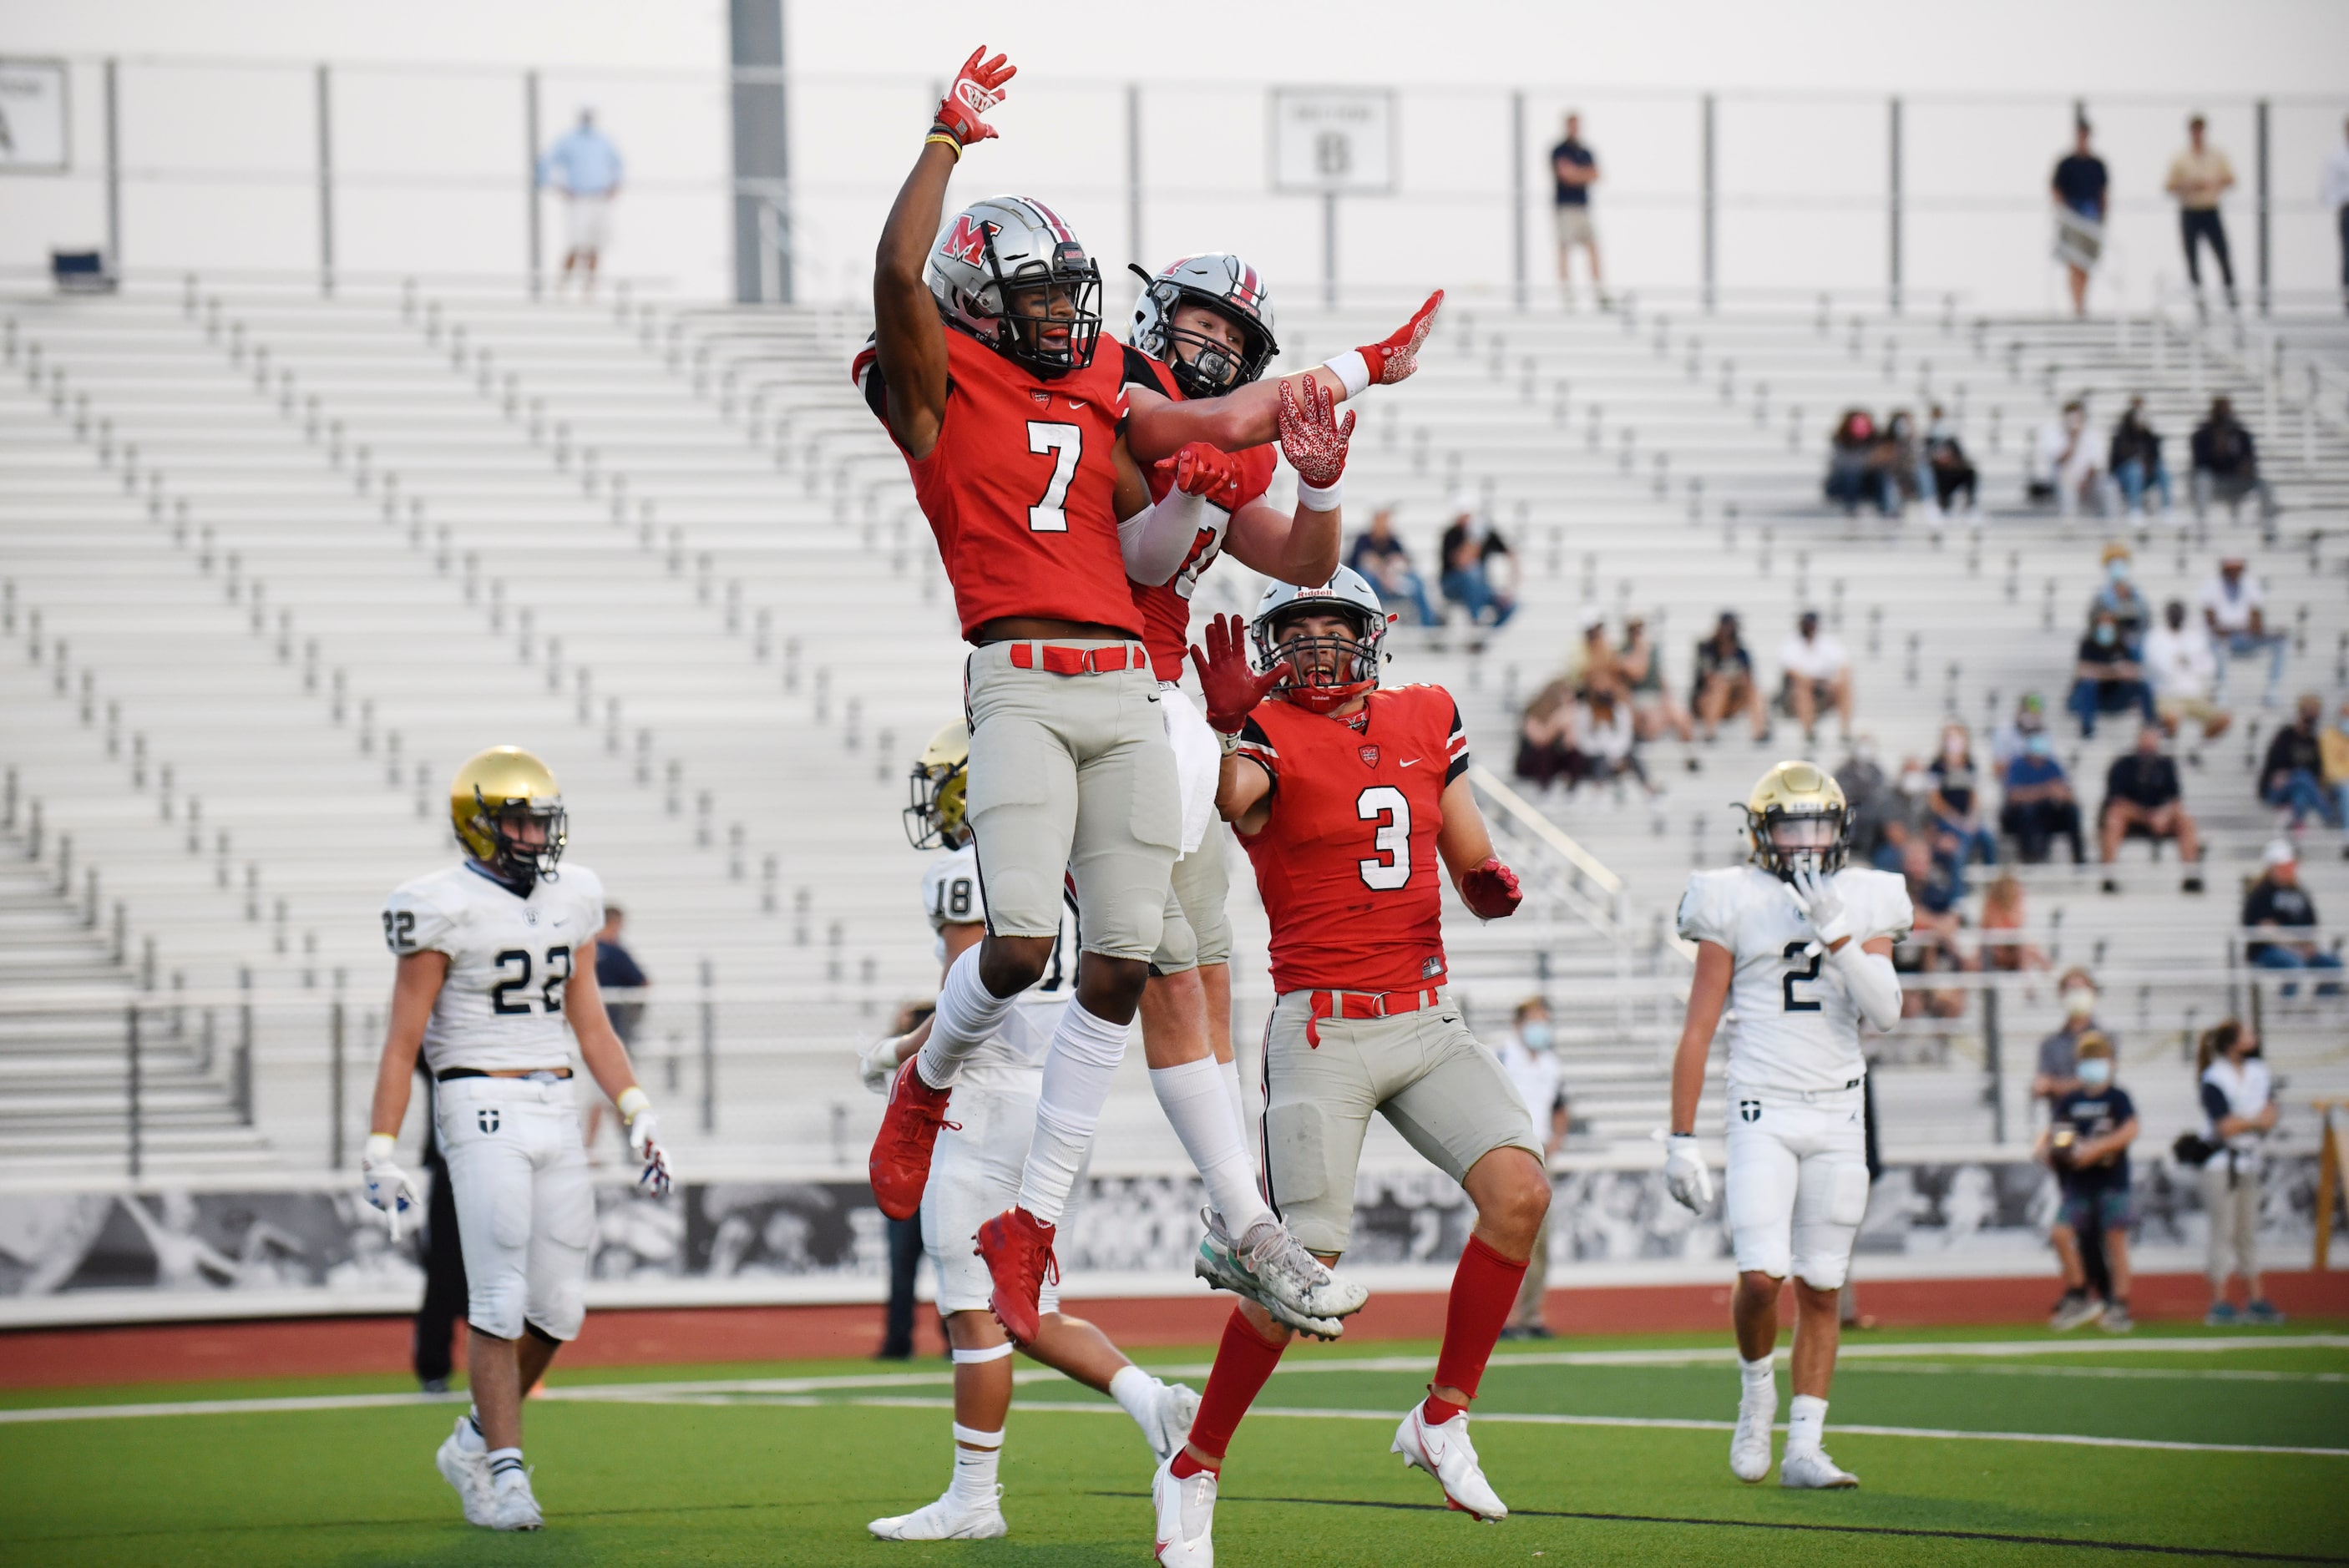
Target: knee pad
1764,1248
495,1306
556,1312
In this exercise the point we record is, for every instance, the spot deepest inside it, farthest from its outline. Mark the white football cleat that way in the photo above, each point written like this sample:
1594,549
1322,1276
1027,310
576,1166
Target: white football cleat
1813,1468
1749,1446
468,1471
950,1518
1186,1518
1270,1268
512,1506
1445,1453
1173,1407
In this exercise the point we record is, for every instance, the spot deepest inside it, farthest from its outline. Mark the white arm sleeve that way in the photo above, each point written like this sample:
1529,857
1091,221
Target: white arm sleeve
1869,980
1156,540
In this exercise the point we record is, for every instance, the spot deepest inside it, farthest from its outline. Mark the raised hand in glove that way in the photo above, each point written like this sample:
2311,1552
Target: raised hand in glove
1815,895
1312,437
387,1186
1202,470
1229,683
978,87
1490,890
1393,357
1685,1175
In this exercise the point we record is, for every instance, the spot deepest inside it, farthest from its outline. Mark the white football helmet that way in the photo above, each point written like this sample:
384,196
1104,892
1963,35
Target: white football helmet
1318,682
1224,284
1007,245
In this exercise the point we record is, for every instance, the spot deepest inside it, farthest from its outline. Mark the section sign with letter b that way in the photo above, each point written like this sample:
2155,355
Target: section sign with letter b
1333,140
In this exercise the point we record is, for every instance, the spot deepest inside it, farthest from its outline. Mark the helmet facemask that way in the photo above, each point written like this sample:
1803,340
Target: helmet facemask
1784,841
519,857
1325,672
937,807
1066,293
1211,366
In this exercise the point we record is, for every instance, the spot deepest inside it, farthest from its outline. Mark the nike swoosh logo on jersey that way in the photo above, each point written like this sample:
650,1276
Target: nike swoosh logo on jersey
1413,763
1076,407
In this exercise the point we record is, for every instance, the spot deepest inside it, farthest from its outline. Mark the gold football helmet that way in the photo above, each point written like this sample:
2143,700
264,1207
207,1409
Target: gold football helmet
1798,817
494,794
934,811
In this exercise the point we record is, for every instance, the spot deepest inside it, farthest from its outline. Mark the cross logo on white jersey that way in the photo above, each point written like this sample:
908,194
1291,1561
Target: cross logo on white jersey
487,1118
1749,1110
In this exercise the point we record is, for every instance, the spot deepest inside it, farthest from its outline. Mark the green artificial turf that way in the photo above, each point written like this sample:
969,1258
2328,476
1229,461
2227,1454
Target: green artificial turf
726,1474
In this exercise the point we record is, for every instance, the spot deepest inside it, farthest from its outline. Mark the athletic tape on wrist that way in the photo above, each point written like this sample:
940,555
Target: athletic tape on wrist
947,140
633,1102
990,1353
1351,368
972,1437
1321,498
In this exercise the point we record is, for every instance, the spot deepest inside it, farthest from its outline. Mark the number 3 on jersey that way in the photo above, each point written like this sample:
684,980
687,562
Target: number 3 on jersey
1067,444
1390,867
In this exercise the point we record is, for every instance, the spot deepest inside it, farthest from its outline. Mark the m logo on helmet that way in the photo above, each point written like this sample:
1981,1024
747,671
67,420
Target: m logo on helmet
967,241
487,1118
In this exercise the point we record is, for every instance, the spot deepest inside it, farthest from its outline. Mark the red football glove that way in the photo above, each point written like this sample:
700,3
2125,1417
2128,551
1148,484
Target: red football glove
1312,437
1203,470
1227,679
1490,890
1396,357
978,87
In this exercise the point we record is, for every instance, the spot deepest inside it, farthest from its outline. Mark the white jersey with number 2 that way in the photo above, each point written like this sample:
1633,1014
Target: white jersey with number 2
509,959
1791,1026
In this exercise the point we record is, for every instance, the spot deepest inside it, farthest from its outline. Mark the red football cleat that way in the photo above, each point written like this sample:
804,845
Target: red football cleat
1018,1254
900,1167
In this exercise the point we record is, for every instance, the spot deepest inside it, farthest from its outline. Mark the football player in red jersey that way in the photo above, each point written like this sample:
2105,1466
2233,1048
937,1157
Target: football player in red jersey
1024,455
1345,795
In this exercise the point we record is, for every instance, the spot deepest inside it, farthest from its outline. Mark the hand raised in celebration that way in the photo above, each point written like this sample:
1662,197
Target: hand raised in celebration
1396,356
1490,890
978,87
1229,683
1312,437
1202,470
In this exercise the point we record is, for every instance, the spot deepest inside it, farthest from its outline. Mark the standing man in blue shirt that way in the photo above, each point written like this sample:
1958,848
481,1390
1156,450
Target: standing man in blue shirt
585,167
2079,188
1577,171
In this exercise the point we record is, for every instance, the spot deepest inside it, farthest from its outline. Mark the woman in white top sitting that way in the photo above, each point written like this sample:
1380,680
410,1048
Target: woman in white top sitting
2237,1111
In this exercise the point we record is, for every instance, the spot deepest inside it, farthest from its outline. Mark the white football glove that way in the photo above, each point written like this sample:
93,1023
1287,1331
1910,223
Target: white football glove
1815,896
388,1187
644,1142
1685,1174
877,1064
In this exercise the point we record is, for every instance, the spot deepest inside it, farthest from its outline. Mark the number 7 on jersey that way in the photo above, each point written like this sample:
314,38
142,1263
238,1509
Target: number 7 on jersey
1067,444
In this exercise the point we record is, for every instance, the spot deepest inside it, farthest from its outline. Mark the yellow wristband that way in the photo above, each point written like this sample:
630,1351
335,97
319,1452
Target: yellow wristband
380,1148
946,139
633,1101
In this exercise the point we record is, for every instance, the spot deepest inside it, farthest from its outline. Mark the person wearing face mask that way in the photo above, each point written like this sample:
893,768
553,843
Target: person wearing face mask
2142,797
2182,666
2239,1111
1954,802
2106,677
2117,596
2292,777
2059,1052
2040,805
2137,465
2086,1144
2063,462
2276,905
1530,1055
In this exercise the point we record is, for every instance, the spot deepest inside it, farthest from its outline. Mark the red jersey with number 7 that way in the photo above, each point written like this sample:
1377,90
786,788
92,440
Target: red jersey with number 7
1166,606
1346,862
1021,489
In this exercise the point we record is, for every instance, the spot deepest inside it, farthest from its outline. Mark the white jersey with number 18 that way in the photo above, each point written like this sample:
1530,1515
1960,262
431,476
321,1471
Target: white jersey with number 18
952,894
1791,1024
509,958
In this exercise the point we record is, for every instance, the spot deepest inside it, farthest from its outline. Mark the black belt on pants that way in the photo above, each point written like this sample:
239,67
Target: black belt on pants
445,1074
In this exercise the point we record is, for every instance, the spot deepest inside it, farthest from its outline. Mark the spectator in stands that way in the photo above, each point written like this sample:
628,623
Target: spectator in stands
1530,1057
1546,736
1382,558
2227,466
1855,469
2040,805
1604,735
1471,547
1592,662
2182,667
2234,607
1654,710
2015,735
1953,471
1724,682
2142,798
1954,806
2003,920
2105,677
2086,1143
585,167
2238,1112
615,970
2198,177
1935,890
2058,1073
2293,777
1576,170
2333,746
2079,191
2136,462
1904,458
1868,798
2333,196
2117,596
2277,903
2063,466
1817,675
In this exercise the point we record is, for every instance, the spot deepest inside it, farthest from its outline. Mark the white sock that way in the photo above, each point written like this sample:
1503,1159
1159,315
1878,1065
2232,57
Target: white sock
1807,1421
1136,1393
1083,1058
504,1462
1197,1105
974,1470
468,1436
1761,1378
1230,1073
967,1018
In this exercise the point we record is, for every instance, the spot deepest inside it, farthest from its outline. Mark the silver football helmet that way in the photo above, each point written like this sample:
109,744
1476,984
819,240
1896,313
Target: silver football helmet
1008,247
1225,284
1324,672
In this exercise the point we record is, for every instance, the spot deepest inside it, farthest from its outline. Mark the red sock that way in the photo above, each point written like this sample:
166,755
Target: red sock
1244,1363
1484,1288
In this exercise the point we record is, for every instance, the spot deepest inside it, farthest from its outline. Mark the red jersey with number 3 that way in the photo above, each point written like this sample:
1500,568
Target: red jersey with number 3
1021,489
1166,606
1346,862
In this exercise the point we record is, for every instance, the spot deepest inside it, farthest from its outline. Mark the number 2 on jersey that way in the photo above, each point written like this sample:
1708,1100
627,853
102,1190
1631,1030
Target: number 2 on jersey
1067,444
1390,867
550,993
1793,977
